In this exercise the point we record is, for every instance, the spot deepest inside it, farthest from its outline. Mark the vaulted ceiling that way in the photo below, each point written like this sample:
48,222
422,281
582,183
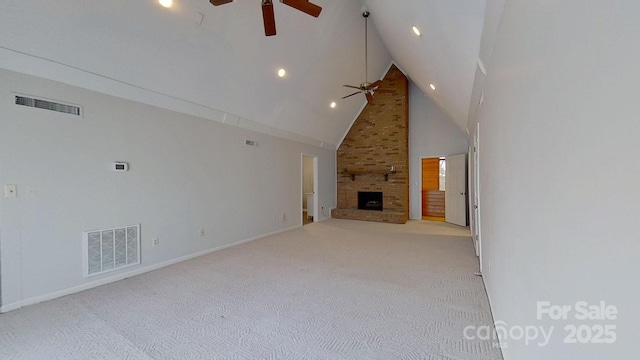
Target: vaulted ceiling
215,62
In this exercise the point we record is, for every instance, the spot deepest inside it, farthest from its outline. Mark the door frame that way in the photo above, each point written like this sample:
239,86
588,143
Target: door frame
476,232
315,185
420,183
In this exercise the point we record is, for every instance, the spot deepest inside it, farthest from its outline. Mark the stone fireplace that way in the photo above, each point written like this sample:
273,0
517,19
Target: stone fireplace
374,157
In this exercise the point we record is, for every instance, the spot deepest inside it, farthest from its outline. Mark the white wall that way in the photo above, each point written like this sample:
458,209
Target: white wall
186,174
431,134
560,195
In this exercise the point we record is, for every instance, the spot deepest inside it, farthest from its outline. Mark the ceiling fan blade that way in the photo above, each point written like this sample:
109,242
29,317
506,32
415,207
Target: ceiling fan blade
375,83
355,93
369,96
353,87
219,2
268,17
305,6
388,91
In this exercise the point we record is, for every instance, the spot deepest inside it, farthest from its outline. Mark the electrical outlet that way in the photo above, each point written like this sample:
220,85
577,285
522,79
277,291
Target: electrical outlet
156,242
201,232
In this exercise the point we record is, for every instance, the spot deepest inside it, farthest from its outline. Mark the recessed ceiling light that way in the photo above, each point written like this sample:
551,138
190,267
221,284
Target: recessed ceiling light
166,3
416,31
333,105
433,87
282,72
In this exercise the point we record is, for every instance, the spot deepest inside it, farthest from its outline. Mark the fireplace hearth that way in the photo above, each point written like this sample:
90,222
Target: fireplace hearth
370,200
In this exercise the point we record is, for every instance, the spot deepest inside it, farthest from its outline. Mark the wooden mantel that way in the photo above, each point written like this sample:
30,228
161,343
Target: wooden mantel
353,174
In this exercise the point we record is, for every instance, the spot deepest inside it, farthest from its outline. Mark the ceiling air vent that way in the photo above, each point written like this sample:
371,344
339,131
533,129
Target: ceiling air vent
251,142
47,105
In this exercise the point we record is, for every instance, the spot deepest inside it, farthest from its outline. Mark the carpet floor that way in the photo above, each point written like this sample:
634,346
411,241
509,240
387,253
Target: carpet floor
338,289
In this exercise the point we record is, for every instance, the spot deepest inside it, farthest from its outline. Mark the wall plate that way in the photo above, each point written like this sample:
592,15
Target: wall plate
10,191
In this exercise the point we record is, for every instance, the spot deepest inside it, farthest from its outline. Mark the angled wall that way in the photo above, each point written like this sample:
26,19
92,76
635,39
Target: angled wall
377,141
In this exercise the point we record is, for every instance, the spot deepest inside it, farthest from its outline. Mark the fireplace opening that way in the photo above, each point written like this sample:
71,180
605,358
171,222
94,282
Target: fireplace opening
370,200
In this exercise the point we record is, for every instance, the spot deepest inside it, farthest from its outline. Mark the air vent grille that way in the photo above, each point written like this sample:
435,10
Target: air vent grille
251,142
47,105
110,249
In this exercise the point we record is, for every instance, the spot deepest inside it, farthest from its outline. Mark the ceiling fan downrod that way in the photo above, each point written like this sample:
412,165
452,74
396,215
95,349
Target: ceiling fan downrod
366,83
367,88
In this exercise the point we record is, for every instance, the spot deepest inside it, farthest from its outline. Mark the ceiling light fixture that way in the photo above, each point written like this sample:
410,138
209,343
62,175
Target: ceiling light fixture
282,72
416,31
433,87
166,3
333,105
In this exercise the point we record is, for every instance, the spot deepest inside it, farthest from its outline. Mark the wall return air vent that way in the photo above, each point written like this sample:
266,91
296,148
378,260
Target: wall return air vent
111,249
47,105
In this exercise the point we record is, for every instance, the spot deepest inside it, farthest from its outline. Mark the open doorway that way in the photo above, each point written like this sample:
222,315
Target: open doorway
444,193
309,186
433,188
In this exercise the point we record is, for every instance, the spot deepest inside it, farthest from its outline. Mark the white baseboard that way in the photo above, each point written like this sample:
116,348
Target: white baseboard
128,274
324,217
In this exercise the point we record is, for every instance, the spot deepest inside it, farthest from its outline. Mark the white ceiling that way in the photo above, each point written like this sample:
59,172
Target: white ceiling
227,65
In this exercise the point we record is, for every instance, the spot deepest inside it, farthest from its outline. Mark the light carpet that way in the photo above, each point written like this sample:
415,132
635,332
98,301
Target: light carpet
339,289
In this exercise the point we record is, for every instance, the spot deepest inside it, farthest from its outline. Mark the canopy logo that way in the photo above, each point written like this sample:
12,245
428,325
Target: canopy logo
585,324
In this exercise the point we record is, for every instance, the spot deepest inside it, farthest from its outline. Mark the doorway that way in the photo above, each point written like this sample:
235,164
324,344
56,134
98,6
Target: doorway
433,188
444,193
309,189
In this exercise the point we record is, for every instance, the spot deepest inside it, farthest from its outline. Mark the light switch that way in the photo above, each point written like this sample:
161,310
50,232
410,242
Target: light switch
10,191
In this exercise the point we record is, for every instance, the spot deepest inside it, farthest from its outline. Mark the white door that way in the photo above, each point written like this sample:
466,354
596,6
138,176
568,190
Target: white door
455,195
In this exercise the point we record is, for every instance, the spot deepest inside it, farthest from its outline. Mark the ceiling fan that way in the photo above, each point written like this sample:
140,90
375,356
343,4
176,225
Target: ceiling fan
366,87
267,11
